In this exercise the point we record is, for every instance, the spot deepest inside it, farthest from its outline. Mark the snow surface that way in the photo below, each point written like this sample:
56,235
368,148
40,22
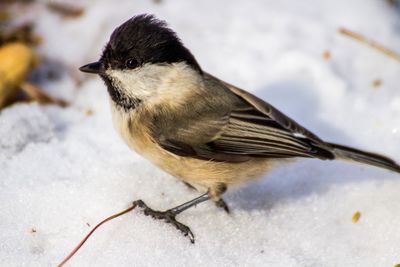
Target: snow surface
62,170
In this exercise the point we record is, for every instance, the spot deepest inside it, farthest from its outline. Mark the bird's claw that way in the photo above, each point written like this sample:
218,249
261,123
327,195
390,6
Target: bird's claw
222,204
168,216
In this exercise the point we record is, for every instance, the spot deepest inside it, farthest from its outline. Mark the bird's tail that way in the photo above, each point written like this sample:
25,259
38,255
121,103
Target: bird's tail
355,155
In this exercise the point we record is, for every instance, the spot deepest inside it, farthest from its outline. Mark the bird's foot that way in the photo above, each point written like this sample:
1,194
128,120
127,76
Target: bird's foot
168,216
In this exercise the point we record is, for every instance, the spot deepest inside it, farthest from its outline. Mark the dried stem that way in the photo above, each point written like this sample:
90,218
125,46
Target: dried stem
371,43
70,255
65,10
37,94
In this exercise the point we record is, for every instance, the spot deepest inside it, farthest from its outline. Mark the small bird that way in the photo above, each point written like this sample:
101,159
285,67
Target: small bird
200,129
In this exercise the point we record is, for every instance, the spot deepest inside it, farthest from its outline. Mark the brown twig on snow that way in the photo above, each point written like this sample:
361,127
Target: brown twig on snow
36,94
72,253
371,43
66,10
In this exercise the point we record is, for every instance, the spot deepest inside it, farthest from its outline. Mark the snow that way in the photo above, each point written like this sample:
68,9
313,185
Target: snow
64,170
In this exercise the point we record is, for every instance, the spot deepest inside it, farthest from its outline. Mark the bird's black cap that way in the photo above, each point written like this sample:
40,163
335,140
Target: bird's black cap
140,40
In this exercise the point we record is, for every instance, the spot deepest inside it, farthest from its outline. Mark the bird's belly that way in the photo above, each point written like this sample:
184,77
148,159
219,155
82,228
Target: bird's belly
202,174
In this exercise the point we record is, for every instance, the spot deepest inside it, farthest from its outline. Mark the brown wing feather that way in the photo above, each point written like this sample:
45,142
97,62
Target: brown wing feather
271,112
240,128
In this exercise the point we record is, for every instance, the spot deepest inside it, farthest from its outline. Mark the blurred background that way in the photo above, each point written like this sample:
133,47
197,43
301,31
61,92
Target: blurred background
333,66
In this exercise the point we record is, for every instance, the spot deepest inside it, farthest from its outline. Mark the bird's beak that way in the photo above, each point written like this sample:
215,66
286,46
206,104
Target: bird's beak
95,67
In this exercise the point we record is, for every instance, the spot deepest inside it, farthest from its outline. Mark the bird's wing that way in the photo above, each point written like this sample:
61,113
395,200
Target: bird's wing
271,112
239,128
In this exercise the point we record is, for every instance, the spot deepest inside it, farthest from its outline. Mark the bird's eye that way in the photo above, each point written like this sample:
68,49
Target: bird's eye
131,63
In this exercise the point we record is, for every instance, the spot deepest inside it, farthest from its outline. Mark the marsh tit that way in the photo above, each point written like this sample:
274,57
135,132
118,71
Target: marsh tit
202,130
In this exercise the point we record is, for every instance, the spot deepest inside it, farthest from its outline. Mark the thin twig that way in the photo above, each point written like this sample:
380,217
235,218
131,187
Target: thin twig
37,94
70,255
65,10
371,43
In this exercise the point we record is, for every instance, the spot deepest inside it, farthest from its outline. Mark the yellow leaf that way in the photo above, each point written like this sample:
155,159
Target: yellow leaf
356,216
16,60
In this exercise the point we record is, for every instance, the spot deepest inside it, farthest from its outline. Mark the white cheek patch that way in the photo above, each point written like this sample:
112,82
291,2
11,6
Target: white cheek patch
131,82
156,83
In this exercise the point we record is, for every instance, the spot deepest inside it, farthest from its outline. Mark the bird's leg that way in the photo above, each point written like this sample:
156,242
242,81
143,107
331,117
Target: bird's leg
169,215
220,203
215,194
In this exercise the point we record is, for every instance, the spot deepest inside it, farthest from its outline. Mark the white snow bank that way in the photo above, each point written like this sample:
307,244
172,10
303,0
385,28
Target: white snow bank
62,171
